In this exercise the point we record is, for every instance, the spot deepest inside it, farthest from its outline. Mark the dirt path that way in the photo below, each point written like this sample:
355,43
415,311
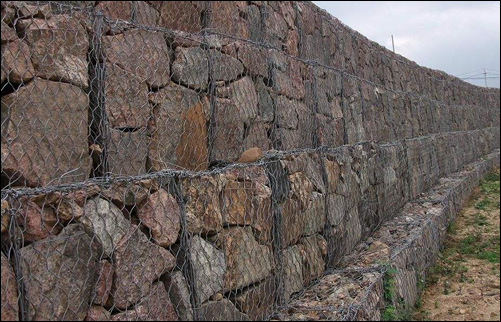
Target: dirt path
465,283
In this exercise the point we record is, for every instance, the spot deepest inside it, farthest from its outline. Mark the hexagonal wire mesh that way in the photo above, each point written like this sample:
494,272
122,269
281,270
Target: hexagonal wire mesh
134,185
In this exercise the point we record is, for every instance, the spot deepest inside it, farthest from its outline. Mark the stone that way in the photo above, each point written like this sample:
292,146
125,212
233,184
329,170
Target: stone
8,34
5,216
251,155
254,58
182,15
125,194
178,130
126,102
258,301
247,261
45,111
26,10
179,294
10,307
97,313
128,152
37,222
191,68
292,271
209,267
133,254
292,219
224,68
222,310
155,307
106,222
58,275
57,53
102,289
67,209
229,20
203,211
216,297
142,53
161,214
313,261
16,62
315,215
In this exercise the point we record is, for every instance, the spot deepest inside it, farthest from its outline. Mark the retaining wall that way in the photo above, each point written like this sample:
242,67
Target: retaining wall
121,125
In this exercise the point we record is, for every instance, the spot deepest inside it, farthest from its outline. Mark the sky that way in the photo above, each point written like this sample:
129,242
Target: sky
458,37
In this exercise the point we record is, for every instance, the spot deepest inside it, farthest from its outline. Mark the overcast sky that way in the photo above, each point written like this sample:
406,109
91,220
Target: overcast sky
454,36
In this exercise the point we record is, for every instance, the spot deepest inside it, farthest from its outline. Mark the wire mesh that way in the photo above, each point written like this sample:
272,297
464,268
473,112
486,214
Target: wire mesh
207,160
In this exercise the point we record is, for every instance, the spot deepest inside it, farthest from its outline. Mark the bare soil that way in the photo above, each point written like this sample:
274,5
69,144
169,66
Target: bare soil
465,283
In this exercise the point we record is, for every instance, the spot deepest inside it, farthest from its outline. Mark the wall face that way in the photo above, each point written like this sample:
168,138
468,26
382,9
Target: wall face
121,124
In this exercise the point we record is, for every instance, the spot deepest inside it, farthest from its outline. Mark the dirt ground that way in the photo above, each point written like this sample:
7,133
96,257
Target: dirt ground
465,283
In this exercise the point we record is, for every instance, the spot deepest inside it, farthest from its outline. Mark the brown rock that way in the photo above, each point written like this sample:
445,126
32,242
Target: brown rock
179,294
191,68
178,130
155,307
67,209
10,306
16,62
57,53
141,53
127,152
247,261
97,313
181,15
58,275
5,216
203,211
47,112
292,268
37,222
125,194
126,104
313,262
8,34
257,302
136,254
222,310
104,282
160,213
251,155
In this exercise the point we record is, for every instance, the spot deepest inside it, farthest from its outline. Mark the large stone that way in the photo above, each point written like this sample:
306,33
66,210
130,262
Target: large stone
59,48
257,302
315,214
191,68
127,152
224,68
44,134
141,53
10,307
313,262
203,210
5,216
138,263
106,222
292,272
125,194
178,129
161,214
181,15
179,294
97,313
104,283
156,307
126,100
222,310
59,274
37,222
247,261
254,58
209,267
16,62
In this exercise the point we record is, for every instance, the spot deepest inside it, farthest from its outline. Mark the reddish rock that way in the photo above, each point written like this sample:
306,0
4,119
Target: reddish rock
10,308
59,48
5,216
127,152
313,261
104,282
181,15
258,301
8,34
141,53
191,68
156,306
135,253
126,103
37,222
161,214
97,313
178,130
55,114
222,310
16,62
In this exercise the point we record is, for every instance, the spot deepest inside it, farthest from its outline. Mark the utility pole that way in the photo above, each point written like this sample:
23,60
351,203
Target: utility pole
393,42
485,77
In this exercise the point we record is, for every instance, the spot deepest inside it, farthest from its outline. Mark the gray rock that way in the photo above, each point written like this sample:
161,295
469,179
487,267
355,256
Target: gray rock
10,307
191,68
292,272
179,294
105,221
222,310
